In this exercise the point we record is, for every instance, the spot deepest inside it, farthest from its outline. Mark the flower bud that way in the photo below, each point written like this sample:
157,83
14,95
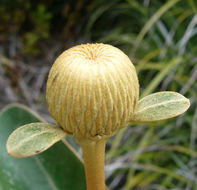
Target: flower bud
92,90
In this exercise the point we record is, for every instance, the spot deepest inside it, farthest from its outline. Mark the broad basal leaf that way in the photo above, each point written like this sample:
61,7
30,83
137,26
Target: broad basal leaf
160,106
33,138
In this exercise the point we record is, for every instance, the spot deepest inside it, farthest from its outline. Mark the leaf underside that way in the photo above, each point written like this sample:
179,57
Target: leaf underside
160,106
33,138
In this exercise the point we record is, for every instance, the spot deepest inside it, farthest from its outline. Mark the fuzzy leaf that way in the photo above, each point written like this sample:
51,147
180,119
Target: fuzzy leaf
160,106
33,138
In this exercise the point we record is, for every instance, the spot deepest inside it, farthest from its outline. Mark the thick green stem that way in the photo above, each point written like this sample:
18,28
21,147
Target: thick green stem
94,161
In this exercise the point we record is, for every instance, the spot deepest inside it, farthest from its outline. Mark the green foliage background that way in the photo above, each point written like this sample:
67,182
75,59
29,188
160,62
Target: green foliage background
159,36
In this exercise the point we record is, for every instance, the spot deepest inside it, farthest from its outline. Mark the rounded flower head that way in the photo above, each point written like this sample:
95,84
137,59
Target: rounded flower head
92,90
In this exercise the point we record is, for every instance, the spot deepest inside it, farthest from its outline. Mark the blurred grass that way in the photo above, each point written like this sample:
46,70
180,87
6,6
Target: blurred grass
160,37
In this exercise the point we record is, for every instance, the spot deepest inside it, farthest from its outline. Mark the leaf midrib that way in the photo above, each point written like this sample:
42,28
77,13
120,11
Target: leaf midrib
160,104
32,136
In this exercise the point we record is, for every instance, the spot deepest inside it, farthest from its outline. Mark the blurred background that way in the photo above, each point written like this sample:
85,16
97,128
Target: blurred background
159,36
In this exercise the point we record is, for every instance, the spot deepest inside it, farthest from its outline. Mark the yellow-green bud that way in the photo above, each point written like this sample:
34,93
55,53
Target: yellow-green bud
92,90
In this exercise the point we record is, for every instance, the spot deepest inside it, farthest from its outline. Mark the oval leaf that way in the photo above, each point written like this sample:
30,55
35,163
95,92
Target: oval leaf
160,106
33,138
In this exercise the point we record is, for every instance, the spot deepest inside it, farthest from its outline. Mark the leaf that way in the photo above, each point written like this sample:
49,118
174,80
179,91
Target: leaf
58,168
33,138
160,106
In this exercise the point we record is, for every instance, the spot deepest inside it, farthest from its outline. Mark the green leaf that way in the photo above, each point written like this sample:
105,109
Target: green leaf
160,106
33,138
58,168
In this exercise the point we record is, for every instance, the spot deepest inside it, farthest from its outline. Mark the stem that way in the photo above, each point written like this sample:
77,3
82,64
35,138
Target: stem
94,160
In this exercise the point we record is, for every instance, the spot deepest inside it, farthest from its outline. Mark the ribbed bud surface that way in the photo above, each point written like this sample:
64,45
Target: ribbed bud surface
92,90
